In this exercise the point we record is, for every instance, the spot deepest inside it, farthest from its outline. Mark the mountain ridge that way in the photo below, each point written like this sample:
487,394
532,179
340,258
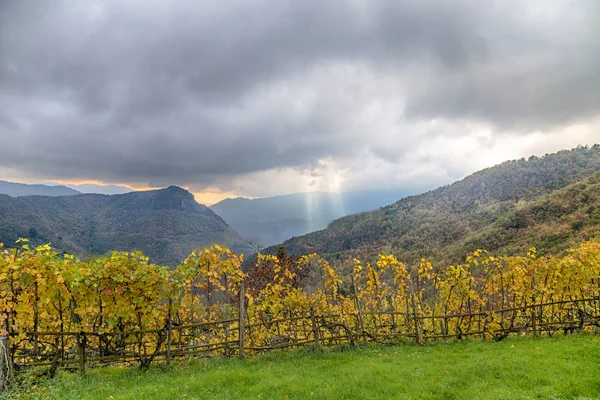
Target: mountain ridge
15,189
101,189
442,224
166,224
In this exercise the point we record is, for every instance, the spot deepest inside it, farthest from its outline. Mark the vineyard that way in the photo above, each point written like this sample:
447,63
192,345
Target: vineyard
63,312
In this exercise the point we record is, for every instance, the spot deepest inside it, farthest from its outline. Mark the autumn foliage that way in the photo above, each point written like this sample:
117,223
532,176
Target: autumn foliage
125,306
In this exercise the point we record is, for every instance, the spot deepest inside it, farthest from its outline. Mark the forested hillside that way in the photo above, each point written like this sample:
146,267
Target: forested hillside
549,202
165,224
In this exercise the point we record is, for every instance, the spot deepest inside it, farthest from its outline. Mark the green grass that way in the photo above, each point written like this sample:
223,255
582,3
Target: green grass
563,367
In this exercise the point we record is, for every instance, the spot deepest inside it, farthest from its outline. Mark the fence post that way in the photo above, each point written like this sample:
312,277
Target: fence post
36,315
6,370
169,332
242,318
81,345
358,306
414,308
533,320
226,324
314,328
533,313
482,330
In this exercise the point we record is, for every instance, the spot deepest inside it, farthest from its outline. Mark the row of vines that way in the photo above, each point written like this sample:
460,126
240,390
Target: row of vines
58,310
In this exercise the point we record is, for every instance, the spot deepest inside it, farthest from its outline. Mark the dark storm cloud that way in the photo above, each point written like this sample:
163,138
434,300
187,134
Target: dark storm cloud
196,92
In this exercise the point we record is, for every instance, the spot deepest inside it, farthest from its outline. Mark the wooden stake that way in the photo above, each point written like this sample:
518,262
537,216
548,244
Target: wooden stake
358,306
6,371
81,343
242,320
169,332
314,328
414,308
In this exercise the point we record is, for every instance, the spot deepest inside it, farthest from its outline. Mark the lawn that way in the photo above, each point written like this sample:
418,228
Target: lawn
563,367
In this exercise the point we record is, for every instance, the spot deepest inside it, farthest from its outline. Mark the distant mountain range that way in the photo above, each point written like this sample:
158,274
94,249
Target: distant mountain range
271,220
21,189
15,189
550,203
165,224
101,189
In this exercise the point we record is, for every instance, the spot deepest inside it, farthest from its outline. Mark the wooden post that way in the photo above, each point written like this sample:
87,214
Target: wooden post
6,370
479,324
533,320
359,308
489,315
414,308
314,328
226,324
36,314
169,332
81,345
62,328
242,319
533,300
391,300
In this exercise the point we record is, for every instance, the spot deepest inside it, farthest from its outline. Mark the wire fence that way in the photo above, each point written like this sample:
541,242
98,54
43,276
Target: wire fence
238,336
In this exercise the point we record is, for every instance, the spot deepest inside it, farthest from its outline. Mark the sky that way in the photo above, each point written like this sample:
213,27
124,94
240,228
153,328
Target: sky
264,97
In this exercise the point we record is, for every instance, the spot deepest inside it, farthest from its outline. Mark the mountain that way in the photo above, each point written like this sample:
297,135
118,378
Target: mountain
165,224
549,202
22,189
14,189
101,189
271,220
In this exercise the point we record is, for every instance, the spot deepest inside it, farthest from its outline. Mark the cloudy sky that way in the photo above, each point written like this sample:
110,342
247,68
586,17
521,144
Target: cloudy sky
263,97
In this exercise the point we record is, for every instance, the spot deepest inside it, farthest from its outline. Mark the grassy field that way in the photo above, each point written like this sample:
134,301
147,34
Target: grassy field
517,368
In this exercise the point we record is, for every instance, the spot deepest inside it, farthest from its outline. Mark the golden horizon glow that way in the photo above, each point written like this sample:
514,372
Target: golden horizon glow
207,198
76,182
210,198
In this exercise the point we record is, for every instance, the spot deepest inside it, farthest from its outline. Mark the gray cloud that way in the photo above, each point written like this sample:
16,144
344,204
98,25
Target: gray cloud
199,93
